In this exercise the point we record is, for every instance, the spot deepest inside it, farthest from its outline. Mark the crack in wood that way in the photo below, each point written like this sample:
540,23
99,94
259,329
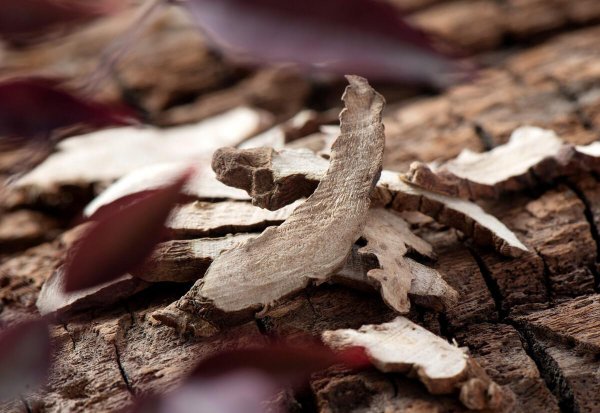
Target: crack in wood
486,139
122,371
491,284
589,216
549,369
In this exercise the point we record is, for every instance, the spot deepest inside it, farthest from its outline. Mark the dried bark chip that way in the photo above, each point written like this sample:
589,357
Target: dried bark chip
276,178
272,178
201,185
201,219
466,216
107,155
54,300
285,259
186,260
388,237
405,347
531,155
304,123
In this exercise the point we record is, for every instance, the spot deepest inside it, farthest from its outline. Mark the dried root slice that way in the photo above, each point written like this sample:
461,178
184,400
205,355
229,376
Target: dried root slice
531,155
273,181
201,219
402,346
388,239
427,289
110,154
466,216
202,185
312,244
186,260
53,300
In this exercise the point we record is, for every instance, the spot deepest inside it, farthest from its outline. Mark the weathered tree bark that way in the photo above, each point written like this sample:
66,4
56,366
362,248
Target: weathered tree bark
531,322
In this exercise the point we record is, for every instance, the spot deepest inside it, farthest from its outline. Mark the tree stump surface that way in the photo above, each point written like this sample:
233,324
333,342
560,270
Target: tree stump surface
531,322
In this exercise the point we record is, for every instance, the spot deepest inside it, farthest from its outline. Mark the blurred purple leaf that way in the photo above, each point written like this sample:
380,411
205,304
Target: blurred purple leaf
31,108
25,357
249,380
364,37
236,392
20,20
121,237
287,365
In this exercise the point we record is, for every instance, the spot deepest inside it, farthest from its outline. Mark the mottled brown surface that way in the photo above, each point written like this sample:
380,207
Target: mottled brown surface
531,321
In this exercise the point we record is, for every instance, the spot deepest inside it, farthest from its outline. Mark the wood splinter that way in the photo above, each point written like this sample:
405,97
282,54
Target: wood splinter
311,245
401,346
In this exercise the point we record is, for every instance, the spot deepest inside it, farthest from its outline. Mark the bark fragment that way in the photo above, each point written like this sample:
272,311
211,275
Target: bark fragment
276,178
186,260
532,154
396,276
53,300
284,260
110,154
200,219
405,347
201,185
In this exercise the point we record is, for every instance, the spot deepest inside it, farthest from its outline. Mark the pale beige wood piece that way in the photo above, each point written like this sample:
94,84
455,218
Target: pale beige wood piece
285,259
388,239
276,178
388,235
186,260
109,154
198,219
401,346
531,155
53,300
202,184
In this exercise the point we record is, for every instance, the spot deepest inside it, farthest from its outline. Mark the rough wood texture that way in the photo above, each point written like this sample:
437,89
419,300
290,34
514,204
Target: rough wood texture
573,323
276,264
532,155
498,348
554,85
23,228
276,178
405,347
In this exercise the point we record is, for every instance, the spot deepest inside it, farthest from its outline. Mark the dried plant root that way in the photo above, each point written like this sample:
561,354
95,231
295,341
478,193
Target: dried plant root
312,244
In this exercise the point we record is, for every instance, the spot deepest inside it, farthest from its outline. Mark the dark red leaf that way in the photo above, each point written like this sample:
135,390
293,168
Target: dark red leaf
121,237
34,107
22,19
286,365
241,381
364,37
236,392
25,356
